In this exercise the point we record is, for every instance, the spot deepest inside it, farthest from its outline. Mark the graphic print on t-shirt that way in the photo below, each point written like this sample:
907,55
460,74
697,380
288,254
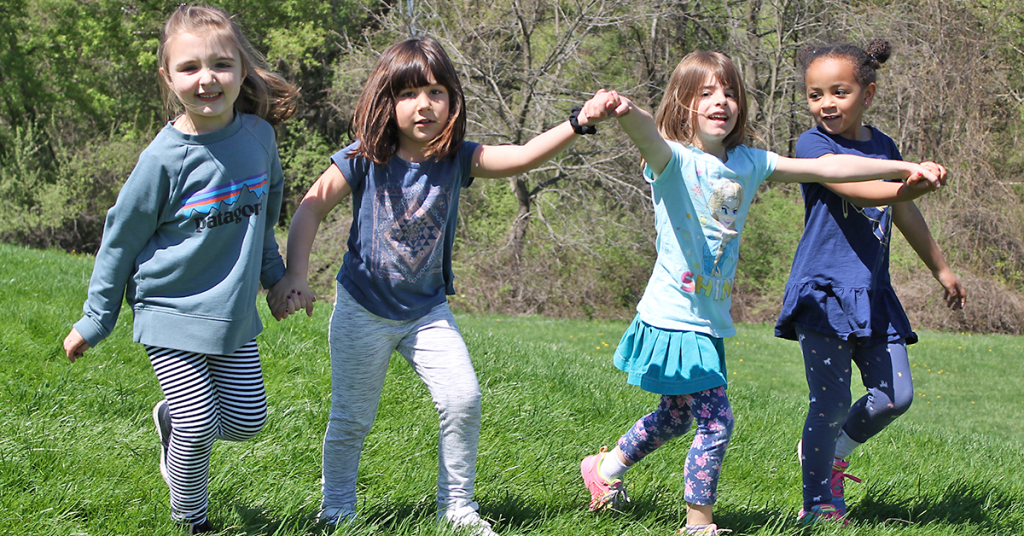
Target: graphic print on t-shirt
880,218
409,227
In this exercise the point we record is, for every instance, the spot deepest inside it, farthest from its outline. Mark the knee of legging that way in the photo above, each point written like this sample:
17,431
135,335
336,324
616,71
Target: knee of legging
901,402
461,405
244,428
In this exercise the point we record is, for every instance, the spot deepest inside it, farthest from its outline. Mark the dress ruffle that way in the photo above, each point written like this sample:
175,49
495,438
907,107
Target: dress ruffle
844,312
670,362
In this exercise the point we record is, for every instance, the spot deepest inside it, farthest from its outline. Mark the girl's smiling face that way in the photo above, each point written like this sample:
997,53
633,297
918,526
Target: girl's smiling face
836,100
421,114
717,112
205,74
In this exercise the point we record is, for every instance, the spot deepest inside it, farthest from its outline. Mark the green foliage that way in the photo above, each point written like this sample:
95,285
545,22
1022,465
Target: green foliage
770,237
78,453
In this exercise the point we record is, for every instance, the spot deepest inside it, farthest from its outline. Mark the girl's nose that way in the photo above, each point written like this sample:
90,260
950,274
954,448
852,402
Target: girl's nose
423,100
207,78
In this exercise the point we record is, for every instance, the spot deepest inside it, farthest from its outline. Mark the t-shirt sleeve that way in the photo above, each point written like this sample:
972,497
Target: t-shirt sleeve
465,159
673,169
764,164
813,144
353,169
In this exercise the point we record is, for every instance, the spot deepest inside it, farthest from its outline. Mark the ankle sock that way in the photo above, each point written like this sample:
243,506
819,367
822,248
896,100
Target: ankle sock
611,468
845,446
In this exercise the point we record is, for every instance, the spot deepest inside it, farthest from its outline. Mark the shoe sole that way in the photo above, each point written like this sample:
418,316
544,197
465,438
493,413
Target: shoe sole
165,437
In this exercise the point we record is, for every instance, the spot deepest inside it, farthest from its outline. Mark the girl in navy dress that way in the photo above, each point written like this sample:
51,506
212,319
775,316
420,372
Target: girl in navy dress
839,302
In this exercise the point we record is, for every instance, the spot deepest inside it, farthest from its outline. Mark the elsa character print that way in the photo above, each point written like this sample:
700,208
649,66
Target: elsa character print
725,203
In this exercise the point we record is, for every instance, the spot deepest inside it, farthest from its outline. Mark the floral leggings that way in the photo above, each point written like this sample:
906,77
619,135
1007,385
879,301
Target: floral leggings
672,419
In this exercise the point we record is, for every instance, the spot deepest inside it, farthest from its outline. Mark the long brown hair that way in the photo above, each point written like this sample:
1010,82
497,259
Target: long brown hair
264,92
409,63
677,116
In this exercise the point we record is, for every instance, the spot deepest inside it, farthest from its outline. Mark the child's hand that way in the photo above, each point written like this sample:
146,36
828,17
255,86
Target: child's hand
954,292
603,105
74,345
289,295
927,173
938,170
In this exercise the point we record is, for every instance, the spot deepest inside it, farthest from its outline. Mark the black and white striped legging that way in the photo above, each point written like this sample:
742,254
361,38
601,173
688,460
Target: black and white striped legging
210,397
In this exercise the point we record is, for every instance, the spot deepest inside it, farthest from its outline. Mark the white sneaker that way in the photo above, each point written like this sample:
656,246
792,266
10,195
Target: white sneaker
466,520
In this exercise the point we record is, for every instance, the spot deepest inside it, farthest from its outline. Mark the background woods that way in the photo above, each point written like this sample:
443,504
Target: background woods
79,100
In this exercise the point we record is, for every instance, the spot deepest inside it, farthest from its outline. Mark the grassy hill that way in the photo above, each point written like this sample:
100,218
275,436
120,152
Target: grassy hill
78,453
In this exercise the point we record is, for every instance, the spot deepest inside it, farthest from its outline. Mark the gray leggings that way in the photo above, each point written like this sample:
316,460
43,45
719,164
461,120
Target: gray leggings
361,347
885,371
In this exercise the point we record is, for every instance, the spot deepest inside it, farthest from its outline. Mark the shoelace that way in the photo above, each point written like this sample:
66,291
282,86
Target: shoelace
614,491
838,477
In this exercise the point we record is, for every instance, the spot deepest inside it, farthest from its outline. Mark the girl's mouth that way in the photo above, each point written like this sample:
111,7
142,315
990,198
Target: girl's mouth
718,117
830,117
210,96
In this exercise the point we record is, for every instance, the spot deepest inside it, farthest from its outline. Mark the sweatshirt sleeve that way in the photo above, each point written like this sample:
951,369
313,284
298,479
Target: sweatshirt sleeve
272,267
130,225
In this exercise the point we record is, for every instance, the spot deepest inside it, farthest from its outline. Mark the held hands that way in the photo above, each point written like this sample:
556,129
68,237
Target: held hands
289,295
927,177
74,345
603,105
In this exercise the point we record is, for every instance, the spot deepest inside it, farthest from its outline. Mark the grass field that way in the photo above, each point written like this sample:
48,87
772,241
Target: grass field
78,453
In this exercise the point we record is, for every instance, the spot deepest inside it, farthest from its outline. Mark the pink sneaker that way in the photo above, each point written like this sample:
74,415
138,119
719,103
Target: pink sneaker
820,513
838,485
604,494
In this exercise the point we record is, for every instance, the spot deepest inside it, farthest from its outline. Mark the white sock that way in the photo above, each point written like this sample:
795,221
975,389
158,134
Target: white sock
611,468
845,446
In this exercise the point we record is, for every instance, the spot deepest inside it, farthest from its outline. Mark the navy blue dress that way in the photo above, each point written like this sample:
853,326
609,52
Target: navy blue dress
839,283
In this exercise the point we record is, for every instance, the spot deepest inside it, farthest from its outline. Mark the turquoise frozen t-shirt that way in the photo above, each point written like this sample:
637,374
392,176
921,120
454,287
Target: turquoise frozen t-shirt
700,209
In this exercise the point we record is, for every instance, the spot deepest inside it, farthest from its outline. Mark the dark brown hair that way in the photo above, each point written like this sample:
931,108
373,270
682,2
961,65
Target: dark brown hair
410,63
264,93
677,116
866,61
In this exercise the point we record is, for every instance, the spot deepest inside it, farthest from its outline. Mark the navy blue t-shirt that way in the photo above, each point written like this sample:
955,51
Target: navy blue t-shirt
399,259
839,283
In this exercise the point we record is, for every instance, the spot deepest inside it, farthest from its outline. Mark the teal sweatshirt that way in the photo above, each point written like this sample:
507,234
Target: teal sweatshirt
190,239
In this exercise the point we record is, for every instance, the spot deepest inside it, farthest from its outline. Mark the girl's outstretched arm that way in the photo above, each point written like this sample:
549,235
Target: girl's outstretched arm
498,161
911,223
292,292
877,193
849,168
639,125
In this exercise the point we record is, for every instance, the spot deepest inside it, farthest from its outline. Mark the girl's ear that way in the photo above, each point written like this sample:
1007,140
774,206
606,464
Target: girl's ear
164,77
869,94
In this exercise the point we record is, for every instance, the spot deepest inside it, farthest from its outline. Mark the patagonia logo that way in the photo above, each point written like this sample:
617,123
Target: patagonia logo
239,215
216,197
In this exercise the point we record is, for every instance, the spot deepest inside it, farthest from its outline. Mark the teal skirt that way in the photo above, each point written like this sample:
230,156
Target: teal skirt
671,362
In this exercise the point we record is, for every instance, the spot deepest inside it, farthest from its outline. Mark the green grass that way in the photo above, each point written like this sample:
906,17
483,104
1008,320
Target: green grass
78,453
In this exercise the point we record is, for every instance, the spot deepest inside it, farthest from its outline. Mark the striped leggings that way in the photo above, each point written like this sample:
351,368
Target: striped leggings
210,397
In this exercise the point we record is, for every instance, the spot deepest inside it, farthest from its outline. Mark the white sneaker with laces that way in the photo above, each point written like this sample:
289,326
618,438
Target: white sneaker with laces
466,520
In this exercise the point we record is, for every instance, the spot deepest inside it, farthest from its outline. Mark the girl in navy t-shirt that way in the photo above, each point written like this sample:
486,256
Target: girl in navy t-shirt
839,302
